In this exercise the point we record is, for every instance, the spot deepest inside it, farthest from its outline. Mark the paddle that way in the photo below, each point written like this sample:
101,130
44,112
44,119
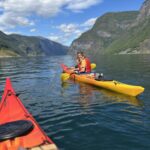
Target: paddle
66,76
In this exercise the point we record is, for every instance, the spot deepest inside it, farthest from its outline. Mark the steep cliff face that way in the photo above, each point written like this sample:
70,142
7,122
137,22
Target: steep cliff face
18,45
144,11
113,33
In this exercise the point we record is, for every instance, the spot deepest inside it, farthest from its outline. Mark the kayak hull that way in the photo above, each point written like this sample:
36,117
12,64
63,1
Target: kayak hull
12,109
130,90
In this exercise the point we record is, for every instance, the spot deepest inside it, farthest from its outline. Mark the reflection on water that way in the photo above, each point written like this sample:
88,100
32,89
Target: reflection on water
122,98
87,93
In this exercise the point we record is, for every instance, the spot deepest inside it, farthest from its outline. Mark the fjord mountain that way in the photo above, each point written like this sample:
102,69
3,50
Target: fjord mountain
117,33
19,45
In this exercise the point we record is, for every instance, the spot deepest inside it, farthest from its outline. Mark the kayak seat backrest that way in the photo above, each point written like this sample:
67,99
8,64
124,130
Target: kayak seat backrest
15,129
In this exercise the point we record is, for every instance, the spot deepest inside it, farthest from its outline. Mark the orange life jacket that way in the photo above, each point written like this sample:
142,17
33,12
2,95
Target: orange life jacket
88,66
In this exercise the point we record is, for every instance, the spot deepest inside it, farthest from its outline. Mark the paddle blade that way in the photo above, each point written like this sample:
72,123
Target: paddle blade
64,76
93,66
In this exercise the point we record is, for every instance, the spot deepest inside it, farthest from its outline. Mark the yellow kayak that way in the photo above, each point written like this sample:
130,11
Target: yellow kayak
131,90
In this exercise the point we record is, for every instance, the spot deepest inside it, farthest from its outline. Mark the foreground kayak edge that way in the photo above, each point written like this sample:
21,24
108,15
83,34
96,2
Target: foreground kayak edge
12,112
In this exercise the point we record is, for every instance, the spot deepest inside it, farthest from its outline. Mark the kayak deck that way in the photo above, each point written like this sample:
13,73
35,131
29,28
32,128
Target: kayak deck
130,90
11,110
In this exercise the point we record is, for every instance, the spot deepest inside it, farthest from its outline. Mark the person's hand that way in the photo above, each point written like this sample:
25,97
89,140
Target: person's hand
76,71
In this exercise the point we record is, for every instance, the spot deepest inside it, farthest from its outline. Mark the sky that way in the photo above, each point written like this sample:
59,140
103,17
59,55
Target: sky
58,20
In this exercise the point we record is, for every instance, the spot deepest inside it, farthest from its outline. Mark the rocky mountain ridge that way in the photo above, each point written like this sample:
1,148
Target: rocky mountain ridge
19,45
117,33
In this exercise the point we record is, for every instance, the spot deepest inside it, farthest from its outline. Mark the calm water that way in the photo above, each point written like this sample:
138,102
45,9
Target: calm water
78,116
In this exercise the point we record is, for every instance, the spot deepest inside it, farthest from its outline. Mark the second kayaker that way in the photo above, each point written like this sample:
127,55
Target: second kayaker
83,63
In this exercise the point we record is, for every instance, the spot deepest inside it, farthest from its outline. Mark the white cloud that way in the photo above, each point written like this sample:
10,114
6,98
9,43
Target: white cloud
73,28
20,12
56,38
68,32
79,5
32,30
11,32
62,38
44,7
90,22
68,28
10,20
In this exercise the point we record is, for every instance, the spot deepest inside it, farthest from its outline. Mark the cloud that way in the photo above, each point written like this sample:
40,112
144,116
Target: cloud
55,38
44,7
11,32
79,5
32,30
15,13
68,32
89,22
62,38
68,28
20,12
10,20
27,7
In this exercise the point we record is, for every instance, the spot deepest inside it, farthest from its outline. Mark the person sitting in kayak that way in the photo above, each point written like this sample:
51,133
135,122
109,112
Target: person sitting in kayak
84,64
